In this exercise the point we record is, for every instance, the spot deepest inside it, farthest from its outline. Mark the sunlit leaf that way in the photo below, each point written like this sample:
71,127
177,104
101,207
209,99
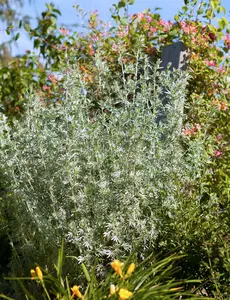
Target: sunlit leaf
17,36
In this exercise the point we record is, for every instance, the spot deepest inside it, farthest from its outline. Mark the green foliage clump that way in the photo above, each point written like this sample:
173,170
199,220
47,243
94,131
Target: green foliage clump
148,279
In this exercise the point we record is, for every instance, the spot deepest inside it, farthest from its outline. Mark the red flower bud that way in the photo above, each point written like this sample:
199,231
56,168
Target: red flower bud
212,36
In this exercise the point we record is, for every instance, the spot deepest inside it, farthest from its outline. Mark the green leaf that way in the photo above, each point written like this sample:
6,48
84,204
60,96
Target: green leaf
223,22
123,21
221,9
176,18
5,76
185,8
121,4
17,36
57,11
220,54
5,297
8,31
116,18
27,27
200,11
211,28
209,14
214,3
20,24
87,276
37,43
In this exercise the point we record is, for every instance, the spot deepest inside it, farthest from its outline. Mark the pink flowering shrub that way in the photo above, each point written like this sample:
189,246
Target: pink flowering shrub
191,131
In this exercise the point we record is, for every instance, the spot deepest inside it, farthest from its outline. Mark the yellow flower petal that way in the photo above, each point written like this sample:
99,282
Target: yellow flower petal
112,289
116,265
125,294
39,273
33,274
76,292
131,268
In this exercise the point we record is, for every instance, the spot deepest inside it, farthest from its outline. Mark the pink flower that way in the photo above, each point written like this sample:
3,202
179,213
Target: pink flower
227,40
148,19
163,23
140,16
91,50
123,31
115,47
221,70
167,25
27,51
95,38
191,132
120,34
198,126
46,88
221,105
153,29
217,153
52,78
188,28
194,39
210,63
63,31
105,33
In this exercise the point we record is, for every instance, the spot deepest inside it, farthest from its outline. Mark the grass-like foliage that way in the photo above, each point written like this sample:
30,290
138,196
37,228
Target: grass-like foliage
104,169
150,279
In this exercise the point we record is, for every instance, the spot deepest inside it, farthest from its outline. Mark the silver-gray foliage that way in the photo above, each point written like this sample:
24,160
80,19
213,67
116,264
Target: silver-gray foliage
102,178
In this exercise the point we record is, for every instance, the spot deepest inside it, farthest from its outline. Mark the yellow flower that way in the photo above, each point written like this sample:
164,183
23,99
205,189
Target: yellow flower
39,273
112,290
116,265
33,274
131,268
76,292
125,294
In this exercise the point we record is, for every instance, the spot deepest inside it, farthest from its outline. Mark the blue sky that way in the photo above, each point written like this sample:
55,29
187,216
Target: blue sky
168,9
